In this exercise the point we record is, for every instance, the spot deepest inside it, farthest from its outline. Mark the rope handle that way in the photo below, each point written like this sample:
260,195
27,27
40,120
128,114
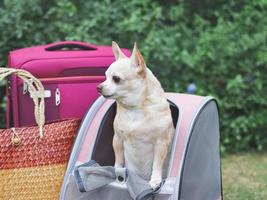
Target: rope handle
36,90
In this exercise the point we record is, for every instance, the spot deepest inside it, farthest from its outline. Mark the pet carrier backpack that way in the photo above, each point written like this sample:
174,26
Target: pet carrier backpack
194,166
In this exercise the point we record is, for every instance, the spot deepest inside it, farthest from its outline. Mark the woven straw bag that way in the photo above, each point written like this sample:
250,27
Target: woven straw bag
33,159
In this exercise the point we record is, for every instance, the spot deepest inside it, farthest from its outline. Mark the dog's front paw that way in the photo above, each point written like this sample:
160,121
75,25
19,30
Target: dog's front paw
155,183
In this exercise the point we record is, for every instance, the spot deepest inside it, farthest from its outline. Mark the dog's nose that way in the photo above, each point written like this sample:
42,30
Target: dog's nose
99,88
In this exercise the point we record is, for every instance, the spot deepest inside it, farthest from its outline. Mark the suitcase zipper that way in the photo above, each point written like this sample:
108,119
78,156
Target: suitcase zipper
47,93
25,87
57,97
10,109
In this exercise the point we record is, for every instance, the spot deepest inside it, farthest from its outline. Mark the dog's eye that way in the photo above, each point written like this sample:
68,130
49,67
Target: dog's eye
116,79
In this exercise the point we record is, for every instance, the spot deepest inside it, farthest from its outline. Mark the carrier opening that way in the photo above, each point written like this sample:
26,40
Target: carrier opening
103,152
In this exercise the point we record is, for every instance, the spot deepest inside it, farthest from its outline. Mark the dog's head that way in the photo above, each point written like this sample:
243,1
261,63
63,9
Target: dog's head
125,78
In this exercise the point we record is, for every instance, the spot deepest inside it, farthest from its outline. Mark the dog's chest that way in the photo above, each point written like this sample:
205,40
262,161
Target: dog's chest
129,123
139,125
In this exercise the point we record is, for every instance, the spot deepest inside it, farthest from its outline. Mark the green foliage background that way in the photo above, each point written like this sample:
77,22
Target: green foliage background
219,45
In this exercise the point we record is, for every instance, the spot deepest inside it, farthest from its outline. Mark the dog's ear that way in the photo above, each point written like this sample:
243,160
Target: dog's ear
117,51
138,61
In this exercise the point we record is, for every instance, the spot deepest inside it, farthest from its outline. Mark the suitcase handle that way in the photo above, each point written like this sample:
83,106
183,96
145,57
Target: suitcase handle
70,46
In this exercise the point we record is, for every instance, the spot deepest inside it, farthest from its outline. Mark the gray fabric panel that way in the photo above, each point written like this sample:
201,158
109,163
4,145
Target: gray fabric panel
137,186
201,178
96,176
91,176
109,192
113,191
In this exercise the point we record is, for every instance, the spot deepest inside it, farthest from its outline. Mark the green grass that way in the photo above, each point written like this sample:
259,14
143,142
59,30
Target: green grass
245,176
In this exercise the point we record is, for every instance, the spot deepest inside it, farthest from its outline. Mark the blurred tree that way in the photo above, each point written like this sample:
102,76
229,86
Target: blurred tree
221,45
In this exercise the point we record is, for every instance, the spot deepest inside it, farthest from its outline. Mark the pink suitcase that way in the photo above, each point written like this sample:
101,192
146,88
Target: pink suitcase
69,71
